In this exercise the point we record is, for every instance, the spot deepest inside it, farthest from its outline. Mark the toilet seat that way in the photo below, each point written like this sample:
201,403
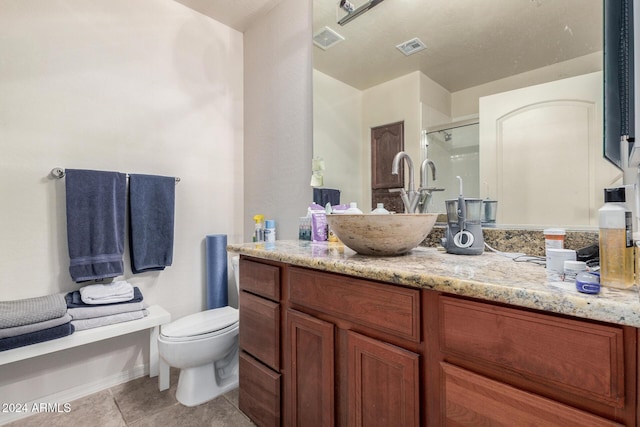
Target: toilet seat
202,325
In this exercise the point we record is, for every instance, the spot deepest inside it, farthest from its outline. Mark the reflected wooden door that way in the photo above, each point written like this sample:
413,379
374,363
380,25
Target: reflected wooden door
386,142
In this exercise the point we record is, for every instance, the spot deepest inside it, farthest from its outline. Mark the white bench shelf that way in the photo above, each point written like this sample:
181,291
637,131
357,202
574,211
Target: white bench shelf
156,316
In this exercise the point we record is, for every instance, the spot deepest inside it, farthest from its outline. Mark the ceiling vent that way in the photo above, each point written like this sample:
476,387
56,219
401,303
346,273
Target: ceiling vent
411,46
326,37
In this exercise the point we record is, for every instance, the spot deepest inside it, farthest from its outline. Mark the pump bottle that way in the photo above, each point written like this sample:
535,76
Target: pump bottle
616,240
258,235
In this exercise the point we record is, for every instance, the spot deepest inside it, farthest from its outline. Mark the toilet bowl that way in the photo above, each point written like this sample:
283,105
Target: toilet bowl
204,346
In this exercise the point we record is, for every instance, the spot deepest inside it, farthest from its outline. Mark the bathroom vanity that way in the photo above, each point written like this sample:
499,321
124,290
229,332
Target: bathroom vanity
329,337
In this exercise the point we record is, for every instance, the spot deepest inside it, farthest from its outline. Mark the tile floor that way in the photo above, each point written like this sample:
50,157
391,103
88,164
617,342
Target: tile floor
138,403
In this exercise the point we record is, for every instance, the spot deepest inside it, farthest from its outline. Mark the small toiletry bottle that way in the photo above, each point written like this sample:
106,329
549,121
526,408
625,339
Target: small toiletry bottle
554,238
353,209
258,235
380,210
269,231
304,232
616,241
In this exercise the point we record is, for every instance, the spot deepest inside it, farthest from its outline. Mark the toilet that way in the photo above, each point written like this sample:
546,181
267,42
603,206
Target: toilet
204,346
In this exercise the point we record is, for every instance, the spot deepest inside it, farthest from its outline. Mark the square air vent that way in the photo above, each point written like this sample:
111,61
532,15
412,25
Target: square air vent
411,46
326,37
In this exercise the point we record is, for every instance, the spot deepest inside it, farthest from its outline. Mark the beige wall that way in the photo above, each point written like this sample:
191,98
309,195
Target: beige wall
147,87
464,103
393,101
337,135
278,117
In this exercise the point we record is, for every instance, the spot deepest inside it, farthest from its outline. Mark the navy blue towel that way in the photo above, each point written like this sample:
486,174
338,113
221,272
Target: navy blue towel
151,206
322,196
36,337
95,223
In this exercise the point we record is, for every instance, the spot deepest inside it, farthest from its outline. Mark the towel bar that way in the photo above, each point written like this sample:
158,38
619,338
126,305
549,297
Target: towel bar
59,173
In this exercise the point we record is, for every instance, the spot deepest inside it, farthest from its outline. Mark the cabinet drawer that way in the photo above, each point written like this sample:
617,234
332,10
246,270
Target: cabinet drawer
387,308
260,329
583,358
260,279
259,394
472,400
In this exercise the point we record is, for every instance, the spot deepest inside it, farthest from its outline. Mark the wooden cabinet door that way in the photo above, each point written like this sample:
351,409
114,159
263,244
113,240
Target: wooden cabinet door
383,383
473,400
310,383
386,142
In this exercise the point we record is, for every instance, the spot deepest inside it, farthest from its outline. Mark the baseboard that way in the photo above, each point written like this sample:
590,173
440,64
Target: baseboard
74,393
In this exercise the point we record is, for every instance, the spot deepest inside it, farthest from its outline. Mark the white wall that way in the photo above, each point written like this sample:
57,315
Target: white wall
146,87
278,117
337,136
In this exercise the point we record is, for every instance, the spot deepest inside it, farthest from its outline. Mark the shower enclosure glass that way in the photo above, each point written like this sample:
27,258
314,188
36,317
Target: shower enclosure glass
455,151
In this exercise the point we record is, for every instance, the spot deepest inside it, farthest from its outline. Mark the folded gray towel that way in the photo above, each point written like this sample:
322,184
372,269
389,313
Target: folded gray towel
96,322
104,310
31,310
95,223
151,206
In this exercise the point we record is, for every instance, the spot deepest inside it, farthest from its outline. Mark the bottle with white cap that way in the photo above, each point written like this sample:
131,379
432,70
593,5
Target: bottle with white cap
616,240
353,209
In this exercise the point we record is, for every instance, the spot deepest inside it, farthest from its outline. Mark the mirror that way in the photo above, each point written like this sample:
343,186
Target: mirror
473,50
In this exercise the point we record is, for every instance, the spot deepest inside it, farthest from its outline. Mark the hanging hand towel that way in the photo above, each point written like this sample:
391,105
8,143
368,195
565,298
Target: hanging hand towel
95,223
151,205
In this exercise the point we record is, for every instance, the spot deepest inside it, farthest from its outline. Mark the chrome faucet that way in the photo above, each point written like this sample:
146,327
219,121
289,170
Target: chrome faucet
423,172
410,197
425,192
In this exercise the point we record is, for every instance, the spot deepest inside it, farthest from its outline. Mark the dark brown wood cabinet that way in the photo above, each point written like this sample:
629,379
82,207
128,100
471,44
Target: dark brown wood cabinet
310,382
259,342
383,384
343,370
325,349
494,363
473,400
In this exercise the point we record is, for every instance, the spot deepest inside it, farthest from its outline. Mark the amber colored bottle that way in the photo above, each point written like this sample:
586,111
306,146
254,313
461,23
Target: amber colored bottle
616,241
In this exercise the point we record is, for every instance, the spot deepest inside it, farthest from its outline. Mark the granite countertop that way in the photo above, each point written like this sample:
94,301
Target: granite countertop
488,276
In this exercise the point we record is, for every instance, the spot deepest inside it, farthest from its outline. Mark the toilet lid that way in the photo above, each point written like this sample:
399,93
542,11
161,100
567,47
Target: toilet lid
201,323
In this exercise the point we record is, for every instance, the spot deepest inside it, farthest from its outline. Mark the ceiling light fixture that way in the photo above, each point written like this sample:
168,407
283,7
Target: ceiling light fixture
354,13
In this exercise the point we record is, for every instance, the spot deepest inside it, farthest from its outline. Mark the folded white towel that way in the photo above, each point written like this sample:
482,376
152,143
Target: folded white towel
118,291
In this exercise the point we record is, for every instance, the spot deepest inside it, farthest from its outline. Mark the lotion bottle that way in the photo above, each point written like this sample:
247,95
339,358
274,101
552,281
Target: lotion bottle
616,240
353,209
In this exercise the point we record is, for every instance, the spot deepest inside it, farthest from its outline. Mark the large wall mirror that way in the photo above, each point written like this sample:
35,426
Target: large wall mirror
524,70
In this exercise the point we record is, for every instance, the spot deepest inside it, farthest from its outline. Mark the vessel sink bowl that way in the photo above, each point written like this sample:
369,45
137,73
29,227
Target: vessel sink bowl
382,235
